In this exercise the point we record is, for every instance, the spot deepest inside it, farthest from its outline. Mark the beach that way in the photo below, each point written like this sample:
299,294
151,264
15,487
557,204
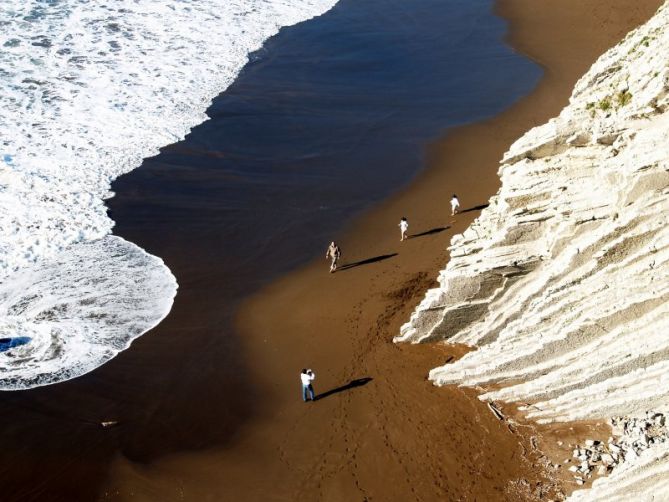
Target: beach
192,428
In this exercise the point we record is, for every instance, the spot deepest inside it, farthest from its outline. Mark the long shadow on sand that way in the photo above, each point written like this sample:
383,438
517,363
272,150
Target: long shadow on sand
366,262
432,231
358,382
475,208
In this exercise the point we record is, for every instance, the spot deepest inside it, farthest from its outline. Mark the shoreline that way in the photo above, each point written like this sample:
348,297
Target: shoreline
428,440
207,205
55,217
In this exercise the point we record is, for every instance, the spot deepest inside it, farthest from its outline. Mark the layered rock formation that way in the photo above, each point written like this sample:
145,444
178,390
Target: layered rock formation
563,281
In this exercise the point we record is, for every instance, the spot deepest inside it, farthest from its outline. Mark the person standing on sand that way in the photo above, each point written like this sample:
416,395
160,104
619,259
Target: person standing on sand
334,253
404,226
455,205
307,376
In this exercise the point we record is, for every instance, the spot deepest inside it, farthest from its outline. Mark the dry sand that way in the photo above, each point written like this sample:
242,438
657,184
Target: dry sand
393,436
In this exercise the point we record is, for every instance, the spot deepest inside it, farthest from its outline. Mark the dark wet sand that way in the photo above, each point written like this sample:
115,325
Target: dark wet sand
382,431
191,428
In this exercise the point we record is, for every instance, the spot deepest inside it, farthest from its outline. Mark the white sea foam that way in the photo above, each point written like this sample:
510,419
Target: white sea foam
87,90
79,309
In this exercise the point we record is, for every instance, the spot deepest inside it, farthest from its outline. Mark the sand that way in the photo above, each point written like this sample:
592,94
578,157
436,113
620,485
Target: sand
380,430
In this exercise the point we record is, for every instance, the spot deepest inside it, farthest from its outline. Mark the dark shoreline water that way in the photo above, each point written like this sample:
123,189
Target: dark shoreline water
330,117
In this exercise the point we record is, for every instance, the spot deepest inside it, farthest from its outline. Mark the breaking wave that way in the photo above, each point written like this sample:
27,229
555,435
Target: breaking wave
88,90
78,309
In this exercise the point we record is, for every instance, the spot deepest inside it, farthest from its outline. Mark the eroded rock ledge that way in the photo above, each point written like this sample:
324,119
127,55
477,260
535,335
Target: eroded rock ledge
563,281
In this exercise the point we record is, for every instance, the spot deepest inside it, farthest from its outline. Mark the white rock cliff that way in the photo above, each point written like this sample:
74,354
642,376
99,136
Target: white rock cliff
562,283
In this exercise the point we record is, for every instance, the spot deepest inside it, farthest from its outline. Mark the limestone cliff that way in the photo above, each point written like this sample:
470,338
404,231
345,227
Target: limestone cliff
563,281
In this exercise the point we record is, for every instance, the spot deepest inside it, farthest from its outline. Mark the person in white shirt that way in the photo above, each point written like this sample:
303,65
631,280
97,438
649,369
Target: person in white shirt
455,205
307,376
404,226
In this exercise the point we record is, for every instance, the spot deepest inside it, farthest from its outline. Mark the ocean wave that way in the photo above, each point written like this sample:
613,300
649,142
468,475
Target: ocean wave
87,91
74,311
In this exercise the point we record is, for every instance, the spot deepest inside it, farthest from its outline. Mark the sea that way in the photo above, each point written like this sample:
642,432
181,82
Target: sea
87,90
253,132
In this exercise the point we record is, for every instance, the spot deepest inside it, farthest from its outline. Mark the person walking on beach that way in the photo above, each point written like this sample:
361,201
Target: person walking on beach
455,205
404,226
334,253
307,376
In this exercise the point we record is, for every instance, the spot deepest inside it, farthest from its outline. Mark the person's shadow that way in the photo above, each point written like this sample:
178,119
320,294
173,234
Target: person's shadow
475,208
367,261
432,231
358,382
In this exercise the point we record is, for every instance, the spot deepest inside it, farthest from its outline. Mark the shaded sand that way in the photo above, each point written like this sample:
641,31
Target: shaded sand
382,432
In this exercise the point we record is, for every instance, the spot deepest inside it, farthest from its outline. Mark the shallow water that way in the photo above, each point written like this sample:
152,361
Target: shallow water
327,119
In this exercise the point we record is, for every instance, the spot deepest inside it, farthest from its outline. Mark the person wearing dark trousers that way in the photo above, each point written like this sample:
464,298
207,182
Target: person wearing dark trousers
307,377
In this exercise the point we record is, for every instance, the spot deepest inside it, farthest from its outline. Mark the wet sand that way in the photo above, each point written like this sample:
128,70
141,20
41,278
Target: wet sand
379,430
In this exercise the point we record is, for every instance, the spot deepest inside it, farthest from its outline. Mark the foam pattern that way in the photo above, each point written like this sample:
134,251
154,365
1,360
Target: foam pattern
78,309
88,90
